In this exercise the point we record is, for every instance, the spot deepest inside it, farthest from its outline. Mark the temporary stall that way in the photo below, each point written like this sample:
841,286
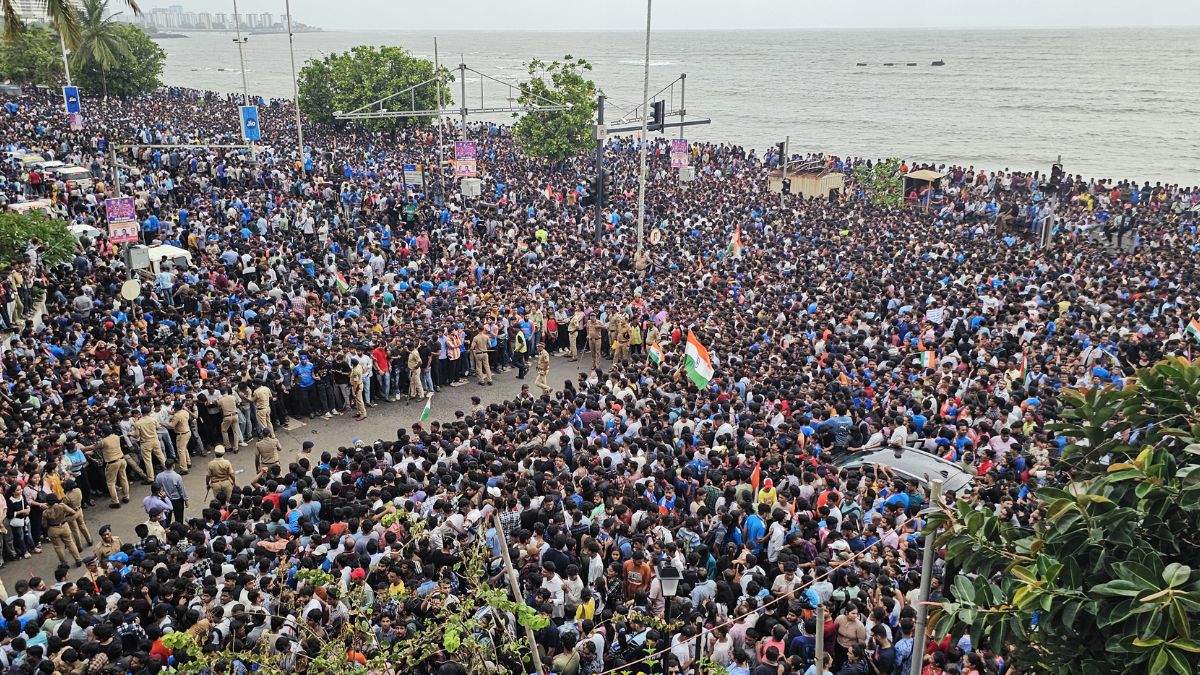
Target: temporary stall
810,179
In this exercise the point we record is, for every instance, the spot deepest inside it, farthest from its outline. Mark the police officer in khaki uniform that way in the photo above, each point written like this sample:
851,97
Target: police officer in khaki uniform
415,390
220,477
262,406
266,451
574,326
622,339
114,467
109,543
146,432
229,421
356,390
595,333
181,426
73,497
479,356
58,517
543,369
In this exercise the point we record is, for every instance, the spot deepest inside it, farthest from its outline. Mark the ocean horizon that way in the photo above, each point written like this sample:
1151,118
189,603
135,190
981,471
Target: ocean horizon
1113,102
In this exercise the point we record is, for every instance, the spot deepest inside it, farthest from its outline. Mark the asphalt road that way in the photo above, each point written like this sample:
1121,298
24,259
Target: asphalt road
382,422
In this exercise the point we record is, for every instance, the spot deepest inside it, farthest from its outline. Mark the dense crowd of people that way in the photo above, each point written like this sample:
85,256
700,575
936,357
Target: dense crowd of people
322,282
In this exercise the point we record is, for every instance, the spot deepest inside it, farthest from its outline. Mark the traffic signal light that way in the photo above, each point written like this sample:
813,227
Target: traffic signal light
787,186
658,114
1056,176
782,149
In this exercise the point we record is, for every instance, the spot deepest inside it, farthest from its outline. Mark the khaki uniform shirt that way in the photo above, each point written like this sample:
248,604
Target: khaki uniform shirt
228,405
219,470
181,422
479,345
268,451
110,448
262,397
147,429
58,514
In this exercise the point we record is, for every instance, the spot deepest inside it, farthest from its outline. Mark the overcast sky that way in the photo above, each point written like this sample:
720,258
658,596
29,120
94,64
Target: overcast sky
711,14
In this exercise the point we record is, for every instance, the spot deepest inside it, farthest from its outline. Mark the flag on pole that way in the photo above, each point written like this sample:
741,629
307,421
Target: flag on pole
655,352
735,244
696,361
428,408
928,359
756,477
1193,329
1024,367
549,192
341,282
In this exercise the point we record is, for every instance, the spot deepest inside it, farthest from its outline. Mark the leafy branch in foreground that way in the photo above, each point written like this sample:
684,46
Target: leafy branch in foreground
1105,582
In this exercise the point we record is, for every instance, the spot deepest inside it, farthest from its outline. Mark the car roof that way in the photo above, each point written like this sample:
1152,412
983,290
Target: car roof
911,463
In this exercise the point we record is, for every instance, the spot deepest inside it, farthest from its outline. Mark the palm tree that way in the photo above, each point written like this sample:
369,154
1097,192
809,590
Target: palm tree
101,43
62,17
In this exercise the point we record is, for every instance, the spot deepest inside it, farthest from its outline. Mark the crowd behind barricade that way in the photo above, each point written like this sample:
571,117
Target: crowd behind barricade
323,282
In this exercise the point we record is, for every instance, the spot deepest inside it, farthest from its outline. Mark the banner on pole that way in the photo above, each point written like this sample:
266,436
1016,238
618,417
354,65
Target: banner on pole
250,130
414,175
679,153
466,159
75,120
71,99
121,214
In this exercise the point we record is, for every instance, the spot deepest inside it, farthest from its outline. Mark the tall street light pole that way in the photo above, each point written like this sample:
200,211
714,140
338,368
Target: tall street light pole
645,140
237,24
287,4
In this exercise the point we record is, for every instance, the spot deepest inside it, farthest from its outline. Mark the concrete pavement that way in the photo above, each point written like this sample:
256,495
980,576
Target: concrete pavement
328,434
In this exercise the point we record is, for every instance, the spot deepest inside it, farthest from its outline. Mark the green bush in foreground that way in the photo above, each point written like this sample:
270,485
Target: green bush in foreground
1105,583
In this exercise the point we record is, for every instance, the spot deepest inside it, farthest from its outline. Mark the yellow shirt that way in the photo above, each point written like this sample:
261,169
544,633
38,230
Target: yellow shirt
586,610
768,496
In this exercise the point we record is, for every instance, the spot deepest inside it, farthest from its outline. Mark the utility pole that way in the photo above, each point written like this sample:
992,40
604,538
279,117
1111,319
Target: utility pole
437,71
237,24
682,96
295,85
516,591
645,141
820,630
918,649
62,42
600,186
462,78
783,162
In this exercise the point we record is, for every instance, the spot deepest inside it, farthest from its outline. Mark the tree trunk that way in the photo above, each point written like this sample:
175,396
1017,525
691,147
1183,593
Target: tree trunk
104,82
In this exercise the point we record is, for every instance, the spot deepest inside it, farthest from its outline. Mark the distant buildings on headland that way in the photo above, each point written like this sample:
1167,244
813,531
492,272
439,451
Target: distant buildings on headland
175,18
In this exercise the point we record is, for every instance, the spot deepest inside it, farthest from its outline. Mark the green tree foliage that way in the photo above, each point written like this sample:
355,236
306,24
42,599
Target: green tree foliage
132,76
63,18
560,134
1105,583
32,57
350,80
17,230
881,183
103,44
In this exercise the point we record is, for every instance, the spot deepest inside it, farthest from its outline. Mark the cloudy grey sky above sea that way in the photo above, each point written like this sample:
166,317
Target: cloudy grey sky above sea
558,15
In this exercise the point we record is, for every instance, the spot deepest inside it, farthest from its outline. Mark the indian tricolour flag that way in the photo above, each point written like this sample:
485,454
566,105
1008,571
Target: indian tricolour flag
428,408
735,244
928,359
342,284
1193,329
696,361
655,352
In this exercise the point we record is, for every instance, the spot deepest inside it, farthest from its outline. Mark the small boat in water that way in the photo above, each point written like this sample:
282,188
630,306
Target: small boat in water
939,62
861,63
910,64
889,64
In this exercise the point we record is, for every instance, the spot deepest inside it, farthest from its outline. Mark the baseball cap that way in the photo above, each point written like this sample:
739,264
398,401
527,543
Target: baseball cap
358,573
120,557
